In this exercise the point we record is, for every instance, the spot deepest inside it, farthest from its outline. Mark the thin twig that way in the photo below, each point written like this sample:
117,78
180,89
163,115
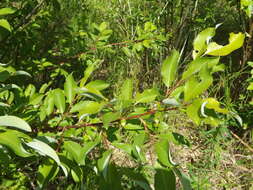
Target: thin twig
243,142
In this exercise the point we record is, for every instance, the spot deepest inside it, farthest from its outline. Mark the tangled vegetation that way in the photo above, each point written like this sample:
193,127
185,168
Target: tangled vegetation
114,94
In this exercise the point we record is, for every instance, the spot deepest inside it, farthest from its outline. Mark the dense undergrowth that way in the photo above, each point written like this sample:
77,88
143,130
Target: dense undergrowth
126,94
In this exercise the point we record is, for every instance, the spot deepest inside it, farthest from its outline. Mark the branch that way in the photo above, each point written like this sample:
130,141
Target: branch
99,124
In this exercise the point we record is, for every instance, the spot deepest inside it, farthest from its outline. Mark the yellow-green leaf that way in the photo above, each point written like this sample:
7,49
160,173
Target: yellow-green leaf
5,24
235,42
6,11
200,42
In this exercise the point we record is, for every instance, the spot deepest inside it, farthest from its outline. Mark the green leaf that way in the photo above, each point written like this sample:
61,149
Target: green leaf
165,179
196,65
98,85
36,99
193,111
89,147
22,73
185,180
104,161
44,149
6,11
13,121
201,41
73,168
49,103
70,89
47,171
235,42
87,73
212,103
128,148
169,68
74,149
194,87
162,151
59,100
147,96
109,117
87,107
4,75
5,24
139,139
126,92
137,177
11,140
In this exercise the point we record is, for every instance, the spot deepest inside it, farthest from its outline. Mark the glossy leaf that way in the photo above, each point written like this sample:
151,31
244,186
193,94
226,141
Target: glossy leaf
147,96
201,41
235,42
5,24
87,147
109,117
11,140
169,68
70,89
13,121
162,151
44,149
165,179
212,103
128,148
59,100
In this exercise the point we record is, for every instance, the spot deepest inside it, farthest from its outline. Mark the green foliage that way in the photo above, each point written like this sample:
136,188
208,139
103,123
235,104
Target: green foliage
55,75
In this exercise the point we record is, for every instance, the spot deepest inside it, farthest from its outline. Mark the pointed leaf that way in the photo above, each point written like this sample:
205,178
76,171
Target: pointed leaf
59,100
104,161
70,89
44,149
5,24
194,87
6,11
196,65
162,151
13,121
193,111
87,73
185,180
201,41
87,107
11,140
169,68
147,96
98,84
235,42
74,149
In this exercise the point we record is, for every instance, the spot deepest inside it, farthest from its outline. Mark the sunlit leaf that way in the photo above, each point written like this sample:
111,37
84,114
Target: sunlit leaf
87,107
44,149
147,96
47,171
169,68
235,42
98,84
162,151
59,100
193,111
5,24
11,140
6,11
185,180
13,121
201,41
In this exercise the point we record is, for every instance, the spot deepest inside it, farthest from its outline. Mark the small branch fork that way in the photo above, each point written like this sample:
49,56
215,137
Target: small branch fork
99,124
